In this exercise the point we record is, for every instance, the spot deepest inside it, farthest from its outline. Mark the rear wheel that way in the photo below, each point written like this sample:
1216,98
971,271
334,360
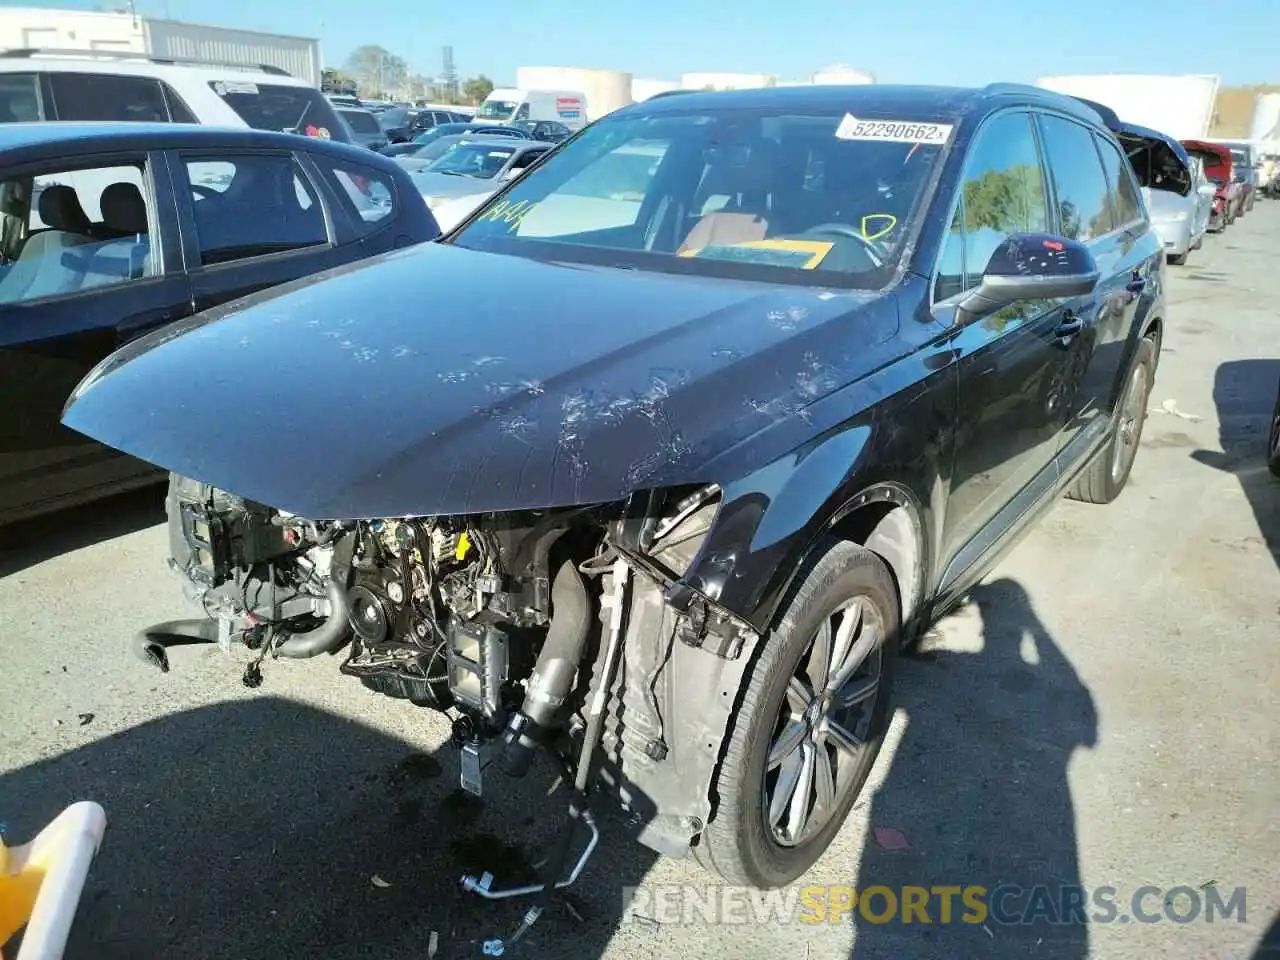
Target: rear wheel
1104,478
1179,259
810,724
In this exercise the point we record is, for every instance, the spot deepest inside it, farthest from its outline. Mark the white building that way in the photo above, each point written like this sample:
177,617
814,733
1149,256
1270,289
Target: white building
642,88
727,81
42,28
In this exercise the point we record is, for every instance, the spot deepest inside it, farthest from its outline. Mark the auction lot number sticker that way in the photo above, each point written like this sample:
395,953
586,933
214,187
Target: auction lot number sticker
892,131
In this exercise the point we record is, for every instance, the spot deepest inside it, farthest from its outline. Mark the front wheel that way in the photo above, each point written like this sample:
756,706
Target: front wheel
810,723
1104,478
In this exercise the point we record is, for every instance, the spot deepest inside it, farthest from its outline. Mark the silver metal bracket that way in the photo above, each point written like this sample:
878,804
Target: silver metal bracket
470,776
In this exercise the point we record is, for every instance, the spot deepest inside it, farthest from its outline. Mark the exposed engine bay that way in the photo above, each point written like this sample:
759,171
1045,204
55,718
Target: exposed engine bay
536,630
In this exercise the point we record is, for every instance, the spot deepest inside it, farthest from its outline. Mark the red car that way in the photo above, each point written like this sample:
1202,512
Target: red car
1229,200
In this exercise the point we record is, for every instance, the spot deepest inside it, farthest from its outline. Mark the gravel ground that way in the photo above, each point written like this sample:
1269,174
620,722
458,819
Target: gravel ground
1102,714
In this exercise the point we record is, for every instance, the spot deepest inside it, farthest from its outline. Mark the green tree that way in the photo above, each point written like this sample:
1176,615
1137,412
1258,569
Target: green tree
477,88
377,71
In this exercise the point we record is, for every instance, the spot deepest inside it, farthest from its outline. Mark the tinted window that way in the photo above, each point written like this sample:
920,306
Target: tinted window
1003,194
1078,178
251,206
266,106
67,231
177,109
361,121
1124,195
371,192
92,96
20,98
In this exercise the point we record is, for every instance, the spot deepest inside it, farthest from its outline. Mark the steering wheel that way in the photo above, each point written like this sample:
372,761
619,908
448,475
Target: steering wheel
874,253
200,190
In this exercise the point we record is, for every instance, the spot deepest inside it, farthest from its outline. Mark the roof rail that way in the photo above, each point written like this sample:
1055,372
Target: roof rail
22,53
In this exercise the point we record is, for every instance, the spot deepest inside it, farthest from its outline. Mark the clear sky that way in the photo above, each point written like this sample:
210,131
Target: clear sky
927,41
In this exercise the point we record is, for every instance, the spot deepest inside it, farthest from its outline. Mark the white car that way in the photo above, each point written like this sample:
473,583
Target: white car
120,86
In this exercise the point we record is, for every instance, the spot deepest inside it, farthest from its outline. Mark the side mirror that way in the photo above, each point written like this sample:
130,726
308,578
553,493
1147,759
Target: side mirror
1030,266
511,174
1207,190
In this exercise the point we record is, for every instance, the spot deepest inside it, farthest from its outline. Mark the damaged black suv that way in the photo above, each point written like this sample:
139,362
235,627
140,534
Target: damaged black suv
720,405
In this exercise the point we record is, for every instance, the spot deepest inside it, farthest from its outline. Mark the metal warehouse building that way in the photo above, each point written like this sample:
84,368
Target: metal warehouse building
40,28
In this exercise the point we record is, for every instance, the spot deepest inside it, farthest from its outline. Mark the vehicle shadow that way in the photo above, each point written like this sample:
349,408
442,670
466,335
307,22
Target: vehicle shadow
978,789
29,542
1268,947
1244,393
255,828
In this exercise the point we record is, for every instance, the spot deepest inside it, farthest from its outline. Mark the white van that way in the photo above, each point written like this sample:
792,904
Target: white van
121,86
508,103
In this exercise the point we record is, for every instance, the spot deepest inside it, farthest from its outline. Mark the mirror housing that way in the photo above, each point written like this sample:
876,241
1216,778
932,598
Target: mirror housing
1207,190
1030,266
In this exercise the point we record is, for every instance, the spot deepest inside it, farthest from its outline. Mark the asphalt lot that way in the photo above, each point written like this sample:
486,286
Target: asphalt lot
1104,713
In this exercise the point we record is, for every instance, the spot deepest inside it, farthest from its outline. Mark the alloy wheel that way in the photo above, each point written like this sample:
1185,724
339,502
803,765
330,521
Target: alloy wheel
1129,429
824,723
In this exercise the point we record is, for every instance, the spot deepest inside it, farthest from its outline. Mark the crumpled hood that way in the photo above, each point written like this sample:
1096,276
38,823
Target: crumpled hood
439,380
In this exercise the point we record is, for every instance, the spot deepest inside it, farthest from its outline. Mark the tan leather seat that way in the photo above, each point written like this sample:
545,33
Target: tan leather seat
746,217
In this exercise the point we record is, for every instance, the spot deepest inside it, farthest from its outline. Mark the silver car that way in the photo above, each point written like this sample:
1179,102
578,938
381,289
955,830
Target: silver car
475,168
1181,222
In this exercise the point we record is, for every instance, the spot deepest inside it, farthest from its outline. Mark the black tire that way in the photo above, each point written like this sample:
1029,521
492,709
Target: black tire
1179,259
738,843
1273,441
1103,479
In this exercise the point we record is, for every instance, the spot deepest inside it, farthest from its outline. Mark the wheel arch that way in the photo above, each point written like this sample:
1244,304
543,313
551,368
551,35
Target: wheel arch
886,519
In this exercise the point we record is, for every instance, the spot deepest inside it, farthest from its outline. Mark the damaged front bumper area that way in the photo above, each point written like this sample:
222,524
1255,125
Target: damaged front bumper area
567,630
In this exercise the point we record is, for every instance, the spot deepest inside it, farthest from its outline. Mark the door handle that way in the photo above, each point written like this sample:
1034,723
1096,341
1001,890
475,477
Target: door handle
1069,327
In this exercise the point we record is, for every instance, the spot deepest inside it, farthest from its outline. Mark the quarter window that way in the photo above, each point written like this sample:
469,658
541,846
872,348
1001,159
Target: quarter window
20,98
1124,196
108,97
251,206
1003,193
67,231
371,193
1082,192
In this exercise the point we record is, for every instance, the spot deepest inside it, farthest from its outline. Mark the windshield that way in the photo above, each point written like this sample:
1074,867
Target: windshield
437,148
730,193
278,107
496,109
361,121
481,160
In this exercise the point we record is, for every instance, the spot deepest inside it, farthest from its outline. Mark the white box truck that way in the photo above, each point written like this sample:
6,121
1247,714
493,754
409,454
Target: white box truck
510,103
1179,106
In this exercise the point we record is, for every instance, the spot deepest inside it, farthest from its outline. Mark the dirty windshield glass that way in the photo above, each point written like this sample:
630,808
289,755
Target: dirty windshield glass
278,107
473,160
809,198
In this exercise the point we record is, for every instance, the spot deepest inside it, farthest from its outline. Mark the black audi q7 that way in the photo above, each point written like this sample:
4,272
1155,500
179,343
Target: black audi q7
722,404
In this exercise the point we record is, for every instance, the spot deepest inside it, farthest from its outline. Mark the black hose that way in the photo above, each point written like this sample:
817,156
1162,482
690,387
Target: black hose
151,645
557,665
329,637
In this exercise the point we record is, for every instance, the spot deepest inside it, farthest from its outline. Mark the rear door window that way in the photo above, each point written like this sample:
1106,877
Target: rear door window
1124,193
253,205
282,107
1083,210
66,231
20,99
98,97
